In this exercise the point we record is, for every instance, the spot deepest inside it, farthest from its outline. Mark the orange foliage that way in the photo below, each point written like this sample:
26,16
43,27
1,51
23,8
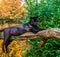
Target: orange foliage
12,8
15,48
2,26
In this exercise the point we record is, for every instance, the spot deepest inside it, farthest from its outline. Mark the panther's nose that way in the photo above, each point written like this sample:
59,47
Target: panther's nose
36,23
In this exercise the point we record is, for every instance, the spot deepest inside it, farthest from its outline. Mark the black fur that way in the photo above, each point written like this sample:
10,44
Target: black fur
31,26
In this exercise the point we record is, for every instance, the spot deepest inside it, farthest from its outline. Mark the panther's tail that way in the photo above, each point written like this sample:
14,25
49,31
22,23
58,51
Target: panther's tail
1,30
1,33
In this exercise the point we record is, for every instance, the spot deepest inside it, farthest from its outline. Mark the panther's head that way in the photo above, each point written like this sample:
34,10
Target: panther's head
34,20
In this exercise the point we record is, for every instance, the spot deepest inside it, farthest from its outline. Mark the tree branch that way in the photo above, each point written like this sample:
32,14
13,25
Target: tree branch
51,32
45,34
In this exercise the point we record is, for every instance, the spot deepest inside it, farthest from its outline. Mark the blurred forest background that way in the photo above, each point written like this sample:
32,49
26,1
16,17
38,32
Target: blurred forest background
14,12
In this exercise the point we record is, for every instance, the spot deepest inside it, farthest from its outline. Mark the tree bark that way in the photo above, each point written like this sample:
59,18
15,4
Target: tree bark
45,34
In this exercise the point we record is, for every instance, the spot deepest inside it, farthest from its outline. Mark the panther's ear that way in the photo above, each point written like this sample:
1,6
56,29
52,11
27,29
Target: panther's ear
31,17
36,17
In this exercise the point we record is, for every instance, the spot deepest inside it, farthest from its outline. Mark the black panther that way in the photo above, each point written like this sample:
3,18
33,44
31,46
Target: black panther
31,26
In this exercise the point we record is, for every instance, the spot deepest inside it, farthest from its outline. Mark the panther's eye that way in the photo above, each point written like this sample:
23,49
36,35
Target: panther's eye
36,20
